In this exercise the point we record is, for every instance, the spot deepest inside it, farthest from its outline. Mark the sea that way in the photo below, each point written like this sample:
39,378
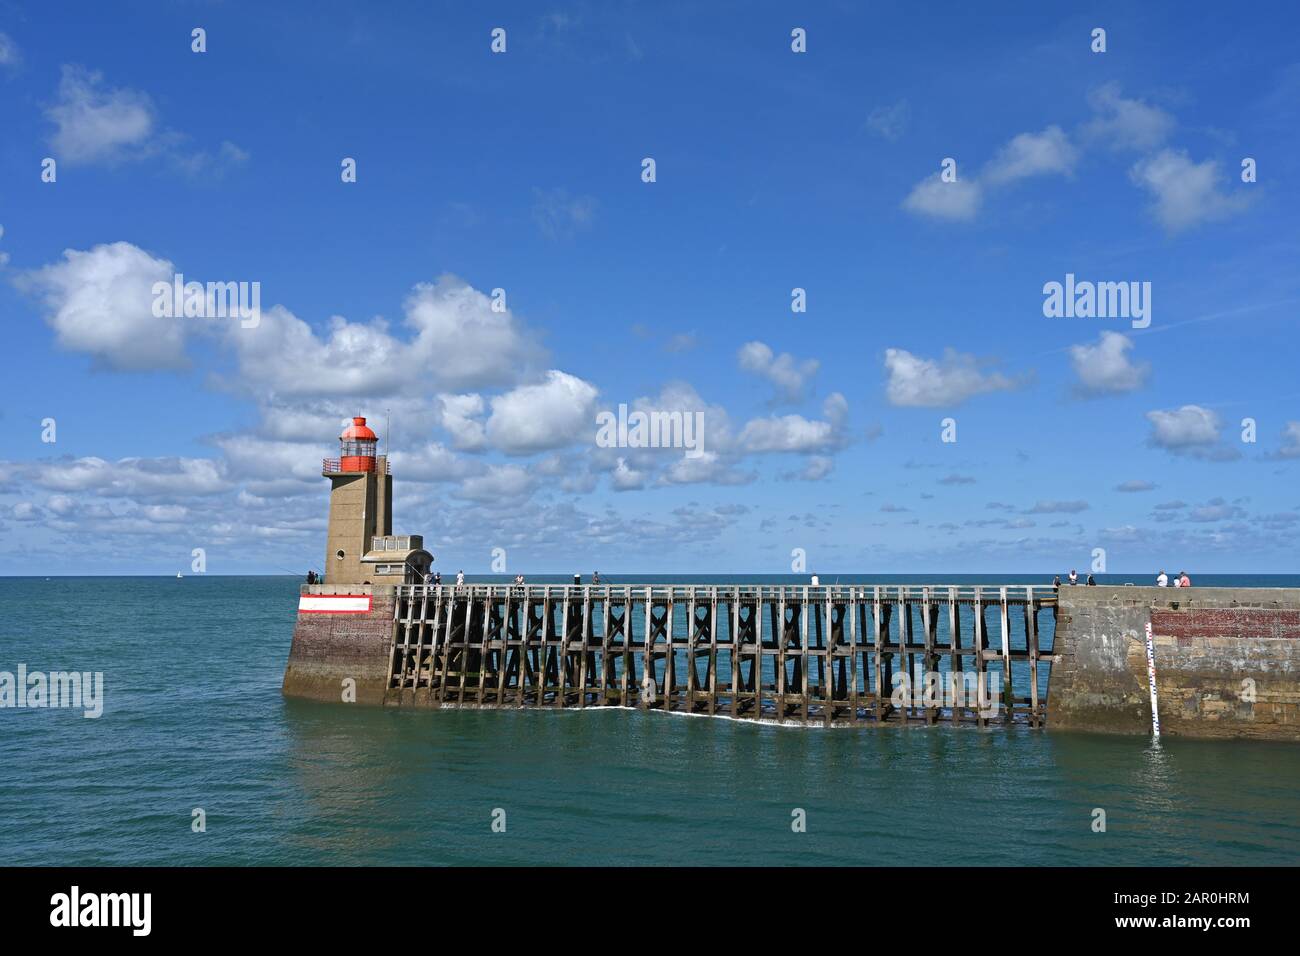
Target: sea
197,760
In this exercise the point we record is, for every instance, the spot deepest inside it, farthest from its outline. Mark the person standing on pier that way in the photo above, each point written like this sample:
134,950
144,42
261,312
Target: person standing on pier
437,579
595,577
460,578
1074,576
1162,579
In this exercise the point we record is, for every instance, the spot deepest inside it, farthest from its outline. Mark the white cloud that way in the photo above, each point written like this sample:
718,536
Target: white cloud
786,433
1183,428
1057,507
535,418
1186,193
559,215
789,374
1031,154
458,342
1025,155
500,484
461,416
889,122
816,468
95,123
101,302
1135,485
1290,441
431,461
794,433
467,344
916,381
1126,124
710,468
9,55
1105,368
956,201
626,478
128,476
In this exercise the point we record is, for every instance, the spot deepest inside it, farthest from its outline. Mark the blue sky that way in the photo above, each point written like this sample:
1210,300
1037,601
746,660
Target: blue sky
775,170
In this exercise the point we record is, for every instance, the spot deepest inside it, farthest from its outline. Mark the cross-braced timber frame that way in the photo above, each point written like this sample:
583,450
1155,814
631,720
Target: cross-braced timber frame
829,655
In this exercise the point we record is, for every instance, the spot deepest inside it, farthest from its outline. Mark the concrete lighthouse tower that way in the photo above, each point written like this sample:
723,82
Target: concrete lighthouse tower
360,546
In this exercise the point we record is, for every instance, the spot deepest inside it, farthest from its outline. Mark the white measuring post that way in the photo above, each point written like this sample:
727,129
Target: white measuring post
1151,678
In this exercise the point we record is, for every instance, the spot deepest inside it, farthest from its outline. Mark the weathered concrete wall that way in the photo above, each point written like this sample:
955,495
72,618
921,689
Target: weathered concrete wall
1210,644
327,648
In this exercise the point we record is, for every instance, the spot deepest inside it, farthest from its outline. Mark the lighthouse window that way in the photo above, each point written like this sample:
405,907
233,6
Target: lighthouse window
339,554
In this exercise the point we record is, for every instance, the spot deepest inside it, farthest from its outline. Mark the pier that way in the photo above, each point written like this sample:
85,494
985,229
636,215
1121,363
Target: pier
1222,662
819,655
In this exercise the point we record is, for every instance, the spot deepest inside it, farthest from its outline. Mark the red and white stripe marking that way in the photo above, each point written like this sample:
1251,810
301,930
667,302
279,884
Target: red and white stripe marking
334,604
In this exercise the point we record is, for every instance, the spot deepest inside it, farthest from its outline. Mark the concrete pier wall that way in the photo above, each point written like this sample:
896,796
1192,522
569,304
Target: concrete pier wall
329,648
1227,661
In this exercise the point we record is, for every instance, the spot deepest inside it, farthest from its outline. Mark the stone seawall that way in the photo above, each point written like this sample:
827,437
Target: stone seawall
1227,661
329,648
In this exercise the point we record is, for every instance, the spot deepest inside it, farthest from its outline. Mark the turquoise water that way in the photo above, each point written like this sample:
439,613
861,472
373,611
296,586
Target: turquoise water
193,718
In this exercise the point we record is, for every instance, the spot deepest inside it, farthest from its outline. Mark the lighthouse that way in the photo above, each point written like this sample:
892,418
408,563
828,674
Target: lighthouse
360,545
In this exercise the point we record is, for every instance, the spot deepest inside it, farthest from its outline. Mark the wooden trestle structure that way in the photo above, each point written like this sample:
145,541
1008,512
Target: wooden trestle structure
827,655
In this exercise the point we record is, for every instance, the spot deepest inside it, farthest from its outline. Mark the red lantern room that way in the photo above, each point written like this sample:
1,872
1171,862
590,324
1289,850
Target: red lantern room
357,447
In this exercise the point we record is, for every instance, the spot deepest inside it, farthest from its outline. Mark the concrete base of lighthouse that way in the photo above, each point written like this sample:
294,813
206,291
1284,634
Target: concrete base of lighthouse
341,656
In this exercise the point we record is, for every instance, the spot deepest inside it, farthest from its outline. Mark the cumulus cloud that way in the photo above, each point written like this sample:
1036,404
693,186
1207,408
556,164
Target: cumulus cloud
794,433
889,122
9,55
100,302
457,342
432,462
1057,507
626,478
708,468
1105,368
127,477
500,484
1023,156
957,201
1122,123
789,374
1190,430
559,215
94,122
97,123
1187,427
1031,154
461,417
1185,193
815,468
1290,441
539,417
1216,509
1135,485
922,382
